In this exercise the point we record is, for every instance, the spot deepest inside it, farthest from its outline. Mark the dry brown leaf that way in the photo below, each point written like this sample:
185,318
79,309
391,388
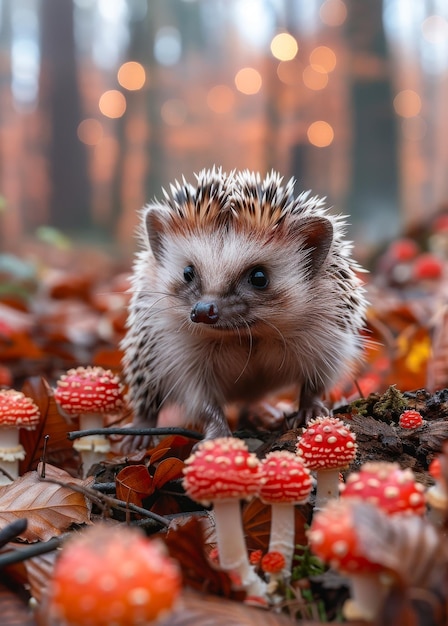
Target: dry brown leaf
14,610
133,483
39,570
49,508
167,470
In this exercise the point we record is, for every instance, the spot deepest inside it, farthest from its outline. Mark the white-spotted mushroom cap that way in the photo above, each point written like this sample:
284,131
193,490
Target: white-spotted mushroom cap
387,486
333,538
221,469
17,410
327,443
410,419
89,390
113,575
284,479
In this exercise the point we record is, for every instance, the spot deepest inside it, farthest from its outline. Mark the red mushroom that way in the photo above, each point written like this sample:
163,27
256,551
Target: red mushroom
387,486
90,392
285,481
335,538
437,495
273,563
427,267
327,446
112,575
223,471
410,419
16,411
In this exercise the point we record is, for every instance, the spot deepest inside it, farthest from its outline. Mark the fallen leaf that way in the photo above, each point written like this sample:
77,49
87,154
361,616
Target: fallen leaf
167,470
133,483
49,508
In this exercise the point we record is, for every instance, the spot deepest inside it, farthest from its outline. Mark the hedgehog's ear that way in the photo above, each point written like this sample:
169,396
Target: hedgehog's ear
155,222
315,235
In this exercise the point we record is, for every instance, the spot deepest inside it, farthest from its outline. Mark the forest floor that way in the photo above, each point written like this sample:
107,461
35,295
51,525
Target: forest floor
70,309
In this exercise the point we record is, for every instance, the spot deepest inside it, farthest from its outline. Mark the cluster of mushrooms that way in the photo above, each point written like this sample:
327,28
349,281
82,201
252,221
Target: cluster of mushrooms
223,472
349,519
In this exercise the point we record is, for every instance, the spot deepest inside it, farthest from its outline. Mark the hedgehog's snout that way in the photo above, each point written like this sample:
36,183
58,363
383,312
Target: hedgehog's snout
204,313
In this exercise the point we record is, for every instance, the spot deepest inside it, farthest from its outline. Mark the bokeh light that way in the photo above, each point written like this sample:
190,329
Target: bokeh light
435,29
167,46
333,12
407,103
315,77
248,80
112,103
323,57
284,47
90,131
221,99
174,112
131,75
320,134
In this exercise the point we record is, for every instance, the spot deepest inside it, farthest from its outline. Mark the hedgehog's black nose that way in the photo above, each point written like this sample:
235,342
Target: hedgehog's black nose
204,313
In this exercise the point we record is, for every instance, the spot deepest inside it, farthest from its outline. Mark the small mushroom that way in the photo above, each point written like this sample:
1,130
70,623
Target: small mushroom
285,481
112,575
410,419
16,411
334,538
437,495
90,392
327,446
387,486
222,471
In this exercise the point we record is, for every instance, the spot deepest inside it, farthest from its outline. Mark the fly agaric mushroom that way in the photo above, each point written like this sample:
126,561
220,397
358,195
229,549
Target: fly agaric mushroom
335,538
16,411
437,495
222,471
410,419
90,392
273,563
327,446
285,481
386,486
112,575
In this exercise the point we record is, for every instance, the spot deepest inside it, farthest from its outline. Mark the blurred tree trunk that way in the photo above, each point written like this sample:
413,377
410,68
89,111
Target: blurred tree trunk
375,163
60,99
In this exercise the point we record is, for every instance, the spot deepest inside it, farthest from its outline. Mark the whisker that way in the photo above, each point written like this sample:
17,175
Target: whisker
250,349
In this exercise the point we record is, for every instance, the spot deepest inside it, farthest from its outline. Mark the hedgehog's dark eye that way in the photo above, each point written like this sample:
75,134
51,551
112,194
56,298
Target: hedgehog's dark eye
189,273
258,278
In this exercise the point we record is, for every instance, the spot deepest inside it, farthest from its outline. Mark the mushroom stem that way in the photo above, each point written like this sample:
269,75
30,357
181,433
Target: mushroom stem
11,452
327,487
282,534
232,546
368,592
92,448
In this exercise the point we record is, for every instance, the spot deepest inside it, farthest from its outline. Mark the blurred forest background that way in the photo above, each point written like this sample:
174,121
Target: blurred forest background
103,102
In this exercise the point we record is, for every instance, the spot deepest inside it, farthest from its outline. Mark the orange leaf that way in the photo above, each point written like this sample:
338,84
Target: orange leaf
133,484
167,470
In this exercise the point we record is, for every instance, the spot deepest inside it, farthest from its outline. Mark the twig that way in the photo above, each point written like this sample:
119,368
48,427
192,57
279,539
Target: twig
17,556
169,430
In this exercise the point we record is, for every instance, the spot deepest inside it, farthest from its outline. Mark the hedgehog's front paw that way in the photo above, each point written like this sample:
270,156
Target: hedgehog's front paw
307,413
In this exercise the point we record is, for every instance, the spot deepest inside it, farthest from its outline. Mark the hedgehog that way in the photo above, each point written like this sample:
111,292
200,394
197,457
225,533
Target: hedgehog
240,288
